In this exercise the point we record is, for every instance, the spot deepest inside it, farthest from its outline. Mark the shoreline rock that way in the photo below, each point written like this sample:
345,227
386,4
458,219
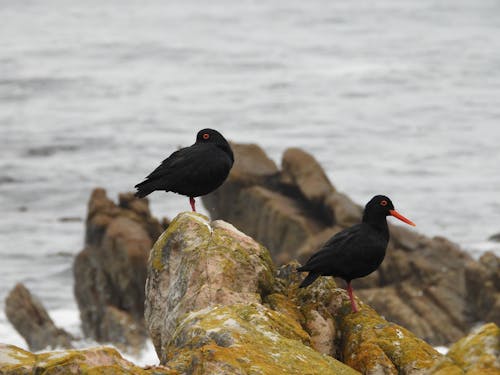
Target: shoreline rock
30,318
110,272
428,285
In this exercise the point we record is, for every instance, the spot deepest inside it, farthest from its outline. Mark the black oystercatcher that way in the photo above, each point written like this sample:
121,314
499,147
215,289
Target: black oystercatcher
356,251
192,171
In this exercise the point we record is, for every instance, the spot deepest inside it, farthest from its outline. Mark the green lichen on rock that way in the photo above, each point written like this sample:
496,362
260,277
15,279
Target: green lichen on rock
371,344
246,339
93,361
196,263
14,360
478,353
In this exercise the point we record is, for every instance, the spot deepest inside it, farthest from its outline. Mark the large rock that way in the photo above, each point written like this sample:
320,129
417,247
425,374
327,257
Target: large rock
428,285
204,306
32,321
15,361
478,353
110,272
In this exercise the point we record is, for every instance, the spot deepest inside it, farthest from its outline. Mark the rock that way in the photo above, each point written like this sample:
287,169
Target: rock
344,211
478,353
205,306
110,272
102,360
246,339
301,170
483,288
32,321
268,206
428,285
196,263
372,345
495,237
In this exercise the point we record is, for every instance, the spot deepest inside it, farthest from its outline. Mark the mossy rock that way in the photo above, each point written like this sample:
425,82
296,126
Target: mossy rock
373,345
93,361
478,353
246,339
198,263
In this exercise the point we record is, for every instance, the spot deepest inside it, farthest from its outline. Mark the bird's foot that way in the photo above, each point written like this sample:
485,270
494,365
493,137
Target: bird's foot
192,202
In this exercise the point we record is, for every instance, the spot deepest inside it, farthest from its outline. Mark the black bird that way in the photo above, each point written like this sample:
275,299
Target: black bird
356,251
192,171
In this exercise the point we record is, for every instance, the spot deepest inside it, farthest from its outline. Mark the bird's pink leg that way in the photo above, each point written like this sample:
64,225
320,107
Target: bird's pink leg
351,297
192,203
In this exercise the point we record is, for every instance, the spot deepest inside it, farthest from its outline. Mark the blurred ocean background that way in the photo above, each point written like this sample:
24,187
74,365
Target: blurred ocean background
394,97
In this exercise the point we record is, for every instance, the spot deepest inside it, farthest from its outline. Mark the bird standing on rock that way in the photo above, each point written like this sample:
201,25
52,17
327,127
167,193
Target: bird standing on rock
192,171
356,251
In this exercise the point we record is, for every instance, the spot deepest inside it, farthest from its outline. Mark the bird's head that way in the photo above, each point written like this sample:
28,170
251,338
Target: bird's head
210,136
381,206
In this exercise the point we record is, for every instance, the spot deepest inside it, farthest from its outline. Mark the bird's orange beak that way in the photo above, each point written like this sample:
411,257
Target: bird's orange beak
397,215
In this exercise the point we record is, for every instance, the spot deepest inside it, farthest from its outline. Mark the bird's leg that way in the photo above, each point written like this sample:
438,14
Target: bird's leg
192,203
351,297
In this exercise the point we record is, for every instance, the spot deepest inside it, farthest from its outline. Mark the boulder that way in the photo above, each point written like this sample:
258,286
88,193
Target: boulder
101,360
428,285
110,272
32,321
479,352
205,305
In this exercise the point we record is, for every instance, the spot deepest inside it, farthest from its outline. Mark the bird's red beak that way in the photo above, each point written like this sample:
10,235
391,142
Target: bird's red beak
396,214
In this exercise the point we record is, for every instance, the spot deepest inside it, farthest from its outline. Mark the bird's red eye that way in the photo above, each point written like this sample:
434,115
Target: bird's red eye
206,135
383,203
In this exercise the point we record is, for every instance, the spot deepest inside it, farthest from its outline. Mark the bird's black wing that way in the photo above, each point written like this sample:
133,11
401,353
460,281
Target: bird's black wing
333,251
177,160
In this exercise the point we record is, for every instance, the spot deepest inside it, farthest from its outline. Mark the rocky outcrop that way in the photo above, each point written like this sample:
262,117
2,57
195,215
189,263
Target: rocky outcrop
32,321
110,272
215,304
428,285
205,311
15,361
478,353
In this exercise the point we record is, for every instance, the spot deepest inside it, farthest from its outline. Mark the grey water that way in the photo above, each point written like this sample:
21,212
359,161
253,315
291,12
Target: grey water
393,97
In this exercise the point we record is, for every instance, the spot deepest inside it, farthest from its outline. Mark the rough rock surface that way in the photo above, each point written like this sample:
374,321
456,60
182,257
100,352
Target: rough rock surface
110,272
478,353
15,361
205,311
428,285
32,321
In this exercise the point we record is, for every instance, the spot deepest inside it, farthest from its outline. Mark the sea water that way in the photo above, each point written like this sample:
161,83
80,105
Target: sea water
392,97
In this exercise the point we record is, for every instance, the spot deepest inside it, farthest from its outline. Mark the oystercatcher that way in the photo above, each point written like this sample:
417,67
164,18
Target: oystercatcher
356,251
192,171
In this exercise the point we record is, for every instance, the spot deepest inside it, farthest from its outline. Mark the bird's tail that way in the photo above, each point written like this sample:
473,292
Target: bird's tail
144,188
309,279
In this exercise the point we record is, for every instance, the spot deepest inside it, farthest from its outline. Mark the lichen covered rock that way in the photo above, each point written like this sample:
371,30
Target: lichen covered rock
373,345
197,263
246,339
213,306
101,360
478,353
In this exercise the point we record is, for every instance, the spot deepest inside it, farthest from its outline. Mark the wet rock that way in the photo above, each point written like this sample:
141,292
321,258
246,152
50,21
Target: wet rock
32,321
110,272
213,306
428,285
102,360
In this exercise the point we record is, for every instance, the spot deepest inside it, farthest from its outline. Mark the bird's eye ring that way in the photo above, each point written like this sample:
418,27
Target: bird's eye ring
206,135
383,203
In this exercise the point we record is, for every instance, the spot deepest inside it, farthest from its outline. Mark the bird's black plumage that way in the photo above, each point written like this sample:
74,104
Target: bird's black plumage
192,171
356,251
